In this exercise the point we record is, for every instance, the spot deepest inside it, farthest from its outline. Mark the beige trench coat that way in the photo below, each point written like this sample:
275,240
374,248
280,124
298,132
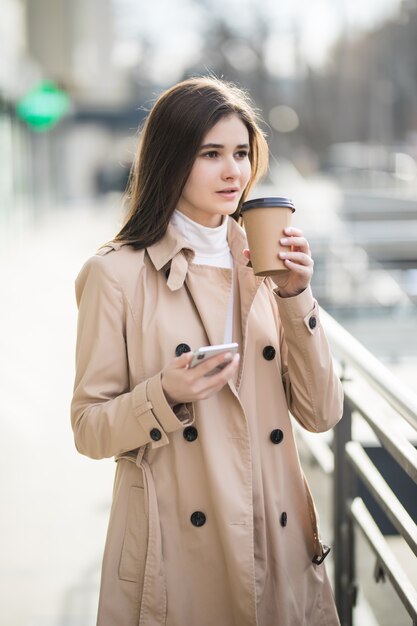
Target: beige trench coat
212,522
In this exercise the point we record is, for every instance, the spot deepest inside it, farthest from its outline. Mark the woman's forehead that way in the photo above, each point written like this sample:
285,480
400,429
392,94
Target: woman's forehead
228,129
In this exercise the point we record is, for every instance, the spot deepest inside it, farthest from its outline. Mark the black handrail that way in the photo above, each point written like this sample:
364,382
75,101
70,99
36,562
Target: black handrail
372,391
351,352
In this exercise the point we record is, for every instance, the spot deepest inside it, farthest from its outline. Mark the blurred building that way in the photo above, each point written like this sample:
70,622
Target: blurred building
71,44
113,56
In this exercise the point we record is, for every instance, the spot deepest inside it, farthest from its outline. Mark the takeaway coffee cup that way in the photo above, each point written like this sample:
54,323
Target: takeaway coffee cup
264,220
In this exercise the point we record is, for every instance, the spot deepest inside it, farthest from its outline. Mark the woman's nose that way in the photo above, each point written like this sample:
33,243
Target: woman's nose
231,169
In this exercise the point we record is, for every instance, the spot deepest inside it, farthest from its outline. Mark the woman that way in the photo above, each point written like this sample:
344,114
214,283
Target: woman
212,522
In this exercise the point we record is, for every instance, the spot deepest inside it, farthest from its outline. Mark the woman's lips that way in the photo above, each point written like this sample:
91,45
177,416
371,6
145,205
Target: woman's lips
228,194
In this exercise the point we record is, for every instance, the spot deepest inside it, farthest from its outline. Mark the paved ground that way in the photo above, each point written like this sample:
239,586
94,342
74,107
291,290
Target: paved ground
55,502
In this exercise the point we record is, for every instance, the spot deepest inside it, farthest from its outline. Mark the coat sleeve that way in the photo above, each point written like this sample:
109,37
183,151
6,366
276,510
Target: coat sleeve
314,392
108,417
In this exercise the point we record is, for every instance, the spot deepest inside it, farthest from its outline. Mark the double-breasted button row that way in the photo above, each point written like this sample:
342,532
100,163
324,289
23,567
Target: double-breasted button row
198,518
182,348
190,433
268,352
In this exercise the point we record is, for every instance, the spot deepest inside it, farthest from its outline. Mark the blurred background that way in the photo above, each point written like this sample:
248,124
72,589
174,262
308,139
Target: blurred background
336,84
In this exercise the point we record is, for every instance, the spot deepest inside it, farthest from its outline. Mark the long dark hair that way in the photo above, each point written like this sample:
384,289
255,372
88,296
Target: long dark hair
171,137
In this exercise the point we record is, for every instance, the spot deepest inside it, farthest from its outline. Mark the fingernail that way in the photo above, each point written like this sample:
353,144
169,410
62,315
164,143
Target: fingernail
283,255
284,240
228,356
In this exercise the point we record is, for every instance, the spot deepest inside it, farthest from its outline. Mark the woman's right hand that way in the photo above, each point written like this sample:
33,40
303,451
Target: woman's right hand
182,384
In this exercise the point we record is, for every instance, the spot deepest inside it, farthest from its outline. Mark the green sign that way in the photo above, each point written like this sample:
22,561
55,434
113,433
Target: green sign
43,106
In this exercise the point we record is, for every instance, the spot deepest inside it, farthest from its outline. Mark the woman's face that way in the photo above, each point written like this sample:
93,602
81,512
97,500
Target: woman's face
219,175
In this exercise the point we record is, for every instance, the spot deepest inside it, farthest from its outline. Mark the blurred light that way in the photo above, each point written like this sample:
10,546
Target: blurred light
385,289
280,55
283,119
405,166
43,106
127,54
320,25
240,55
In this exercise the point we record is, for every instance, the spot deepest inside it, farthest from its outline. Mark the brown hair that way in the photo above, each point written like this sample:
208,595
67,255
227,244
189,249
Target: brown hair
171,138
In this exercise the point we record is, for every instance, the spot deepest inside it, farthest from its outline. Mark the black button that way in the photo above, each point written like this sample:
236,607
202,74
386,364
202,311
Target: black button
277,435
284,519
190,433
155,434
312,322
269,353
198,518
182,348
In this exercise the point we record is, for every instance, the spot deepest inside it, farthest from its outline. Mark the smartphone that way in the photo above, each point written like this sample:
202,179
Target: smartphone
206,352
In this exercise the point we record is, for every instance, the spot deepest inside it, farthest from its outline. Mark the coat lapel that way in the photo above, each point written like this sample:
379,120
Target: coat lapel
248,283
248,288
210,290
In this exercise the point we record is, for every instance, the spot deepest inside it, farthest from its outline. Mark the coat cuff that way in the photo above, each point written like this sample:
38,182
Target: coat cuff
300,308
154,414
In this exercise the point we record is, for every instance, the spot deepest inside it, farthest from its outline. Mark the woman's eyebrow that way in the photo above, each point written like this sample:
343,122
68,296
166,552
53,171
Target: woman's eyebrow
219,145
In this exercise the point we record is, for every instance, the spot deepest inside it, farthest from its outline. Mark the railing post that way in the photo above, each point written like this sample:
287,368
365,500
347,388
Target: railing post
344,548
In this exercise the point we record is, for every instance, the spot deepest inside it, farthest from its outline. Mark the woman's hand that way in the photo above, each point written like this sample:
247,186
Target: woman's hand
298,261
181,384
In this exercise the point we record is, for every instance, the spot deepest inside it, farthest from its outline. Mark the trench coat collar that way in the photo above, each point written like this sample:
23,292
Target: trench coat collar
167,248
175,252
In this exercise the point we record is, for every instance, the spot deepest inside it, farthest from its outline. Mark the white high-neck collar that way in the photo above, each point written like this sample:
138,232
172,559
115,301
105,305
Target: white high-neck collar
208,243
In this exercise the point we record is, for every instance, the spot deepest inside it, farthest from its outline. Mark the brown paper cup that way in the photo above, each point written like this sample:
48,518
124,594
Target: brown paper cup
264,220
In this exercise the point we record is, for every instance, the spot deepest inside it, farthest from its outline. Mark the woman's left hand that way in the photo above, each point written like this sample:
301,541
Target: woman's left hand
298,261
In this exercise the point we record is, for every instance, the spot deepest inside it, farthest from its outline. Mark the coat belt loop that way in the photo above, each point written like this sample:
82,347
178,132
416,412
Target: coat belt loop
139,456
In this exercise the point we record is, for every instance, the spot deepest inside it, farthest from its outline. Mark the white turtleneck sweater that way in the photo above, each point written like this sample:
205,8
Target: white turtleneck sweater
211,248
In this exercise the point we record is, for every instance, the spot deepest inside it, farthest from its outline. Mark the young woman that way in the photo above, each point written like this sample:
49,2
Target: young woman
212,521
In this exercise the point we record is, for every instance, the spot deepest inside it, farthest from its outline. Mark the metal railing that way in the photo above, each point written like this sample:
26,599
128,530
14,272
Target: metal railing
385,403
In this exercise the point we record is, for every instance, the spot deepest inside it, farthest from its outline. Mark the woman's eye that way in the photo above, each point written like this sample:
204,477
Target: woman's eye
211,155
242,154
